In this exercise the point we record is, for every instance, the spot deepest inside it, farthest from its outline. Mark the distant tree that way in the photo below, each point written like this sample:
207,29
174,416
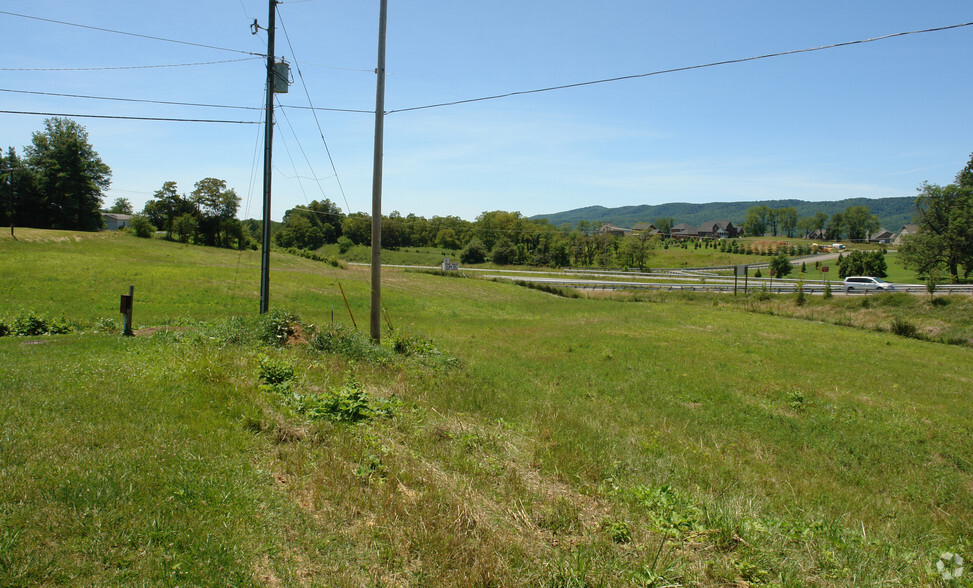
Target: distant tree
944,242
780,265
664,224
815,222
141,226
166,204
755,224
859,222
357,227
504,252
217,207
474,252
787,217
861,263
185,226
836,226
634,250
69,177
310,227
19,203
121,206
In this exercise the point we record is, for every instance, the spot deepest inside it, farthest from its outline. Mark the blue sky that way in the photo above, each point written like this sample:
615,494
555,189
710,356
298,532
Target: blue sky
870,120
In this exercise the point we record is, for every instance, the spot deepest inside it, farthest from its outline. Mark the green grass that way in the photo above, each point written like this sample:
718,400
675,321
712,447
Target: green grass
674,441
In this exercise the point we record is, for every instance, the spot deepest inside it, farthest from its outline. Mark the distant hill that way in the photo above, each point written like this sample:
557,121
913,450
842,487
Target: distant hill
892,212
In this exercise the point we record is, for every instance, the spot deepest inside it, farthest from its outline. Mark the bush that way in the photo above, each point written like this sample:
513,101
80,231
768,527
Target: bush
141,226
344,244
801,297
474,252
904,328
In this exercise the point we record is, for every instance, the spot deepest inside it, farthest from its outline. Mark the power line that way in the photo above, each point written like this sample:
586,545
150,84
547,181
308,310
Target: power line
680,69
121,67
175,103
307,93
149,118
136,100
151,37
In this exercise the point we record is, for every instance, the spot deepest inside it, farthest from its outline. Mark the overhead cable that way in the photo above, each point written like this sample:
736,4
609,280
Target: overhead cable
307,93
136,100
104,30
153,118
108,68
680,69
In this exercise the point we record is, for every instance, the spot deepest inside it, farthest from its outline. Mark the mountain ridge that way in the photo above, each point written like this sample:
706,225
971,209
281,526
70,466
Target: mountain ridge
892,212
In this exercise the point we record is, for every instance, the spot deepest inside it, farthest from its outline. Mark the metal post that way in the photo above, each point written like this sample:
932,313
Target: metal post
375,316
268,163
127,303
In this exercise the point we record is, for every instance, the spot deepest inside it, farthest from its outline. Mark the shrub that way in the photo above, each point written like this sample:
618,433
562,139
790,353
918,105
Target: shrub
141,226
474,252
4,329
344,244
350,344
904,328
28,324
827,291
801,298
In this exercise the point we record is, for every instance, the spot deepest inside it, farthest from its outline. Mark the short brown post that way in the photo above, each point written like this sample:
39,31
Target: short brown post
125,307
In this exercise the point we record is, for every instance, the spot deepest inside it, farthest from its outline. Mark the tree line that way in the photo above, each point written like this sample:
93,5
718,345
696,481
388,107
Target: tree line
855,223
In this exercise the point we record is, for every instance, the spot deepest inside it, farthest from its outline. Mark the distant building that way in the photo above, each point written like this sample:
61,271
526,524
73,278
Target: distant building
905,231
880,236
717,230
684,231
114,222
610,229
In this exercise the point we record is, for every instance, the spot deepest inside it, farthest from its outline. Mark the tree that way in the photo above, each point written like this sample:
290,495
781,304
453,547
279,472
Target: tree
664,224
309,227
121,206
787,217
217,206
859,222
816,222
780,265
861,263
504,252
634,250
69,177
166,204
756,223
836,226
357,227
944,241
474,252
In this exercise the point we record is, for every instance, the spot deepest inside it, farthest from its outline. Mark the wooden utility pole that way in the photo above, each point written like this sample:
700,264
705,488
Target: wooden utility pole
268,163
375,316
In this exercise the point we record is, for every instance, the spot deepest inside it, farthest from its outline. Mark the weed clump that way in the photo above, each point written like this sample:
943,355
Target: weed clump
32,324
904,328
350,403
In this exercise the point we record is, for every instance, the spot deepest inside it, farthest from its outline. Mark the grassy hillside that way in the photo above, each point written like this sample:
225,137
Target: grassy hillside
526,439
892,212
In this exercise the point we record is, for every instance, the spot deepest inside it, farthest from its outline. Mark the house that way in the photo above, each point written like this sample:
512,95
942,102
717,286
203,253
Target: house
718,230
684,231
905,231
114,222
610,229
880,236
817,234
646,230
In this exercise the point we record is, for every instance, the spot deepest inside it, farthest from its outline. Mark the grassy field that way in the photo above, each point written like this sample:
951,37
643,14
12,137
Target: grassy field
526,439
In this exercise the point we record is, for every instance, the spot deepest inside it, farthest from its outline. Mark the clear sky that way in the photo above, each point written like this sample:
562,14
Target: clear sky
868,120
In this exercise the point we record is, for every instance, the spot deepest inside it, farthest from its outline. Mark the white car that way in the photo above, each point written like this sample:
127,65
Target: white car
866,283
